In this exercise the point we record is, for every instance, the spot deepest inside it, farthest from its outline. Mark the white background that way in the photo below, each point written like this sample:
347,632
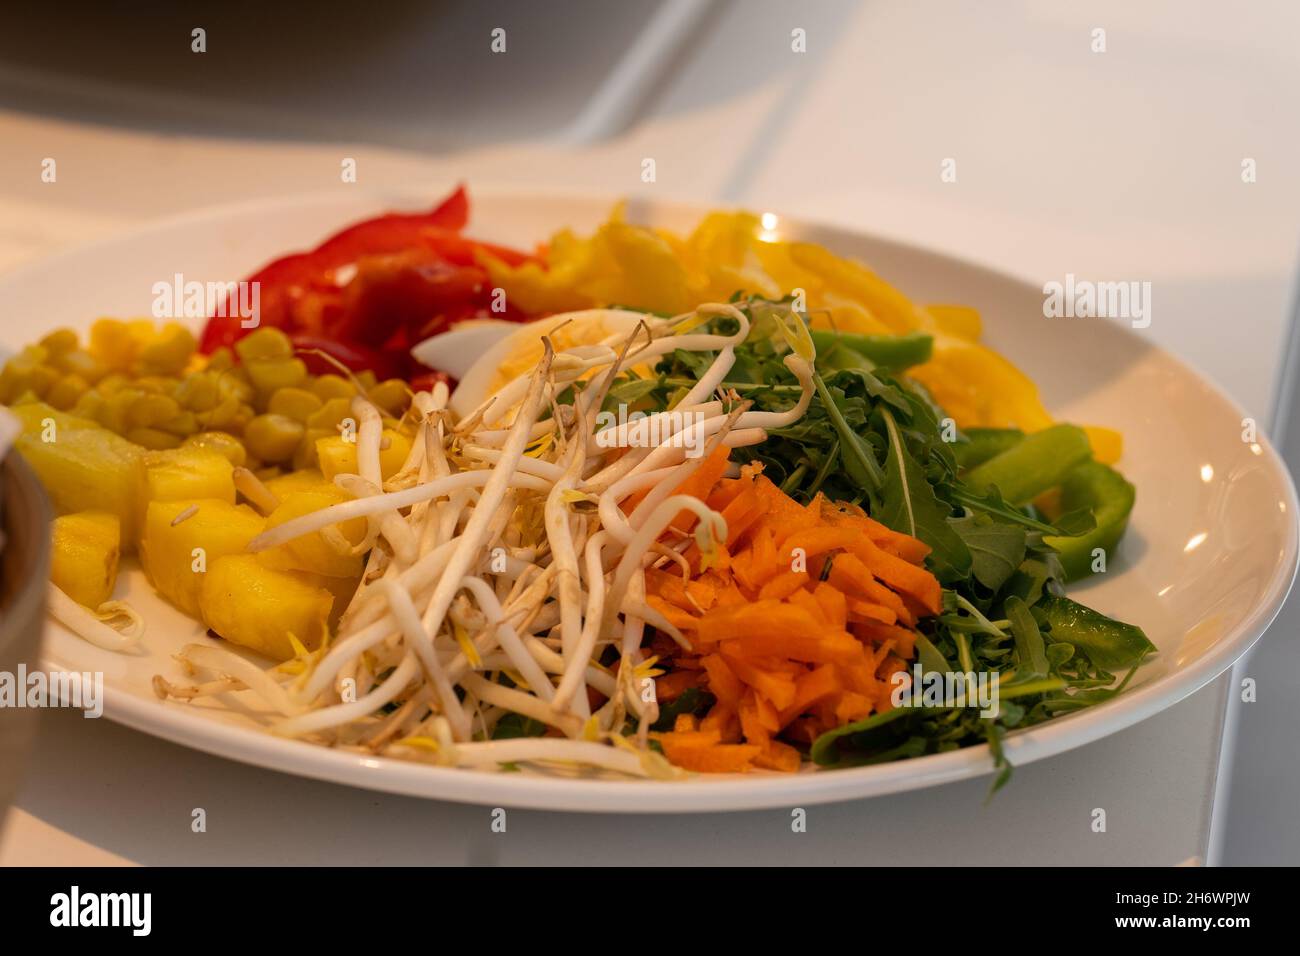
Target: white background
1117,165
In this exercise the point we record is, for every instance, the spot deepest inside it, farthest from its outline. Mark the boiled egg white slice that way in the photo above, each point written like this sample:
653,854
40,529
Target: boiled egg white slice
485,354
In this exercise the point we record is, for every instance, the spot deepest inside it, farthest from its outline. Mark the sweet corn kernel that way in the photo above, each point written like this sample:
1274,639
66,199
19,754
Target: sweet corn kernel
112,343
168,351
60,341
297,403
65,393
391,396
150,410
223,443
79,362
198,392
330,415
329,386
153,438
268,375
265,343
273,438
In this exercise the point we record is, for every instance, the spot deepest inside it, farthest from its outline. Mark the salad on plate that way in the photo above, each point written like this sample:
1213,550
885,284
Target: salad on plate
636,502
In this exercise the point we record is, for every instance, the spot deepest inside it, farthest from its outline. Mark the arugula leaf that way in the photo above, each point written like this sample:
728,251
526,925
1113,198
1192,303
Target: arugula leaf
517,725
1030,580
929,656
864,742
690,701
1000,762
996,549
629,391
908,504
875,438
859,458
1030,648
824,470
991,503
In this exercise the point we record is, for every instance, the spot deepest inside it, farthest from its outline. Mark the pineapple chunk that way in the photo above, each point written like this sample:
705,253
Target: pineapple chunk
312,552
338,456
184,474
83,466
85,548
167,550
304,479
343,590
258,607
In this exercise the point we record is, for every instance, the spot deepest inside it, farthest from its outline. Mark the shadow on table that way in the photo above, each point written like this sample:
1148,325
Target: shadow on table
134,796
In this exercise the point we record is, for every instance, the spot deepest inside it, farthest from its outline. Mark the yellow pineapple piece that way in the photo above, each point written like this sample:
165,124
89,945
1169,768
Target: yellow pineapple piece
184,474
312,552
339,456
83,466
304,479
182,540
84,552
258,607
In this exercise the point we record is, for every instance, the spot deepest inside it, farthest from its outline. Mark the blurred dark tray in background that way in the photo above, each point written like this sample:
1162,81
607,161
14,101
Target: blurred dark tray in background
399,72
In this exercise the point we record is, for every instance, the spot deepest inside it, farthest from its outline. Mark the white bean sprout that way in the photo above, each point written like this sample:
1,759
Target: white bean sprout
511,585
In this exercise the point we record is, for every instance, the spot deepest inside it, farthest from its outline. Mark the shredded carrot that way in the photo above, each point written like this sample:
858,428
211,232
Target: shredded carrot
777,687
862,611
723,721
778,756
776,619
795,631
724,684
833,603
908,580
704,751
677,616
699,483
783,585
910,549
671,686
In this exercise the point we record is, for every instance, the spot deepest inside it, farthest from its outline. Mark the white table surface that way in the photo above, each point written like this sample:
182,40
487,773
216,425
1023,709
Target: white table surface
1117,165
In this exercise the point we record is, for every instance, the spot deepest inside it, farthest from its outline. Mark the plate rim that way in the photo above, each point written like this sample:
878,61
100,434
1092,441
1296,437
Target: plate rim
716,794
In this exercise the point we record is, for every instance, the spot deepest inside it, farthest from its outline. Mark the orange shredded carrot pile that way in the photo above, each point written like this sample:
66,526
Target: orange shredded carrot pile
789,647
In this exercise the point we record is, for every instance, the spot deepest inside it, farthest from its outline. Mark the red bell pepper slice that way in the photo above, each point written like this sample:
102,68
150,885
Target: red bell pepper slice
456,248
354,357
404,290
392,232
286,281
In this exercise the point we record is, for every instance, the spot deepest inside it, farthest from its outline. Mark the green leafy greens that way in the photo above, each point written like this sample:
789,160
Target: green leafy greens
877,440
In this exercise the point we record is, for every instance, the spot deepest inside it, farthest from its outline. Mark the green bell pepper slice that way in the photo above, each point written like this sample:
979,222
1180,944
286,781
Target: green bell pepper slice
983,444
895,352
1028,468
1110,644
1104,491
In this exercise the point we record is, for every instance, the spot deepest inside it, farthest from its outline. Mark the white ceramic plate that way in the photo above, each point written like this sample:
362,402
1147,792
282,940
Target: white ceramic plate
1207,563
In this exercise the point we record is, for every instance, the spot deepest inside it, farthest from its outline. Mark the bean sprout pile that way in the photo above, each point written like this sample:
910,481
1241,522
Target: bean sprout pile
505,561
